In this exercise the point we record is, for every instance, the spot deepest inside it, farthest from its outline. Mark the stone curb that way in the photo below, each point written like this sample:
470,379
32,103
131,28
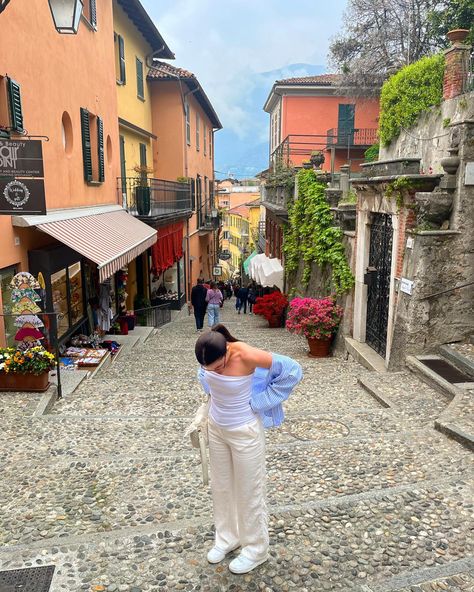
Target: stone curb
462,362
431,378
46,402
369,387
421,576
446,423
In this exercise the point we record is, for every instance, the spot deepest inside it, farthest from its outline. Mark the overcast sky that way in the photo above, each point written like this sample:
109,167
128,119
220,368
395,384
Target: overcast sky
223,42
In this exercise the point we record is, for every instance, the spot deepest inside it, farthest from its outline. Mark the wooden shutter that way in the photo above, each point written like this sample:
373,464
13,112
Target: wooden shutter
345,125
193,194
100,148
140,88
86,145
121,59
93,12
143,162
16,113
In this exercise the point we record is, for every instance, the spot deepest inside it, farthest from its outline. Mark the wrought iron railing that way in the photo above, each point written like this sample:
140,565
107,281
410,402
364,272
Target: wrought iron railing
261,240
154,198
357,137
154,316
208,218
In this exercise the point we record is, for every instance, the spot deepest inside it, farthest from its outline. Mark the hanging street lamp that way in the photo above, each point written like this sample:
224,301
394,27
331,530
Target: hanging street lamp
66,15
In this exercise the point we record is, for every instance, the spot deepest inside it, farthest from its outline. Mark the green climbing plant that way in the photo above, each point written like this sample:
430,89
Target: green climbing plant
408,93
311,234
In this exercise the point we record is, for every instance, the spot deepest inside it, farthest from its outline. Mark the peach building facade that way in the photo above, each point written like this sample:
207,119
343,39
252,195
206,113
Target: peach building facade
316,113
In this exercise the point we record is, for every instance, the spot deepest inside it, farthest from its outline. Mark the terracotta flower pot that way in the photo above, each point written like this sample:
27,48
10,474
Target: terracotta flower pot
457,35
318,348
13,381
274,322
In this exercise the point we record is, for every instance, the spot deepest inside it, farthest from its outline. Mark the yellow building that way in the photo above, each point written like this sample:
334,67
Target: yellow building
137,42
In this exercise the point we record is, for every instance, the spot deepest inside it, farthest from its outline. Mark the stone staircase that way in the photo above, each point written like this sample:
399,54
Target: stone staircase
363,493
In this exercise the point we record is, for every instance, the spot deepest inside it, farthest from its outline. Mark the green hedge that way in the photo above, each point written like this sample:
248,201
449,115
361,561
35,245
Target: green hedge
409,92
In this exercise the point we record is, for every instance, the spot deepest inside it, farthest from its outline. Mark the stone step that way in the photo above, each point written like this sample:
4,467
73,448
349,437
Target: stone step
85,495
433,379
359,545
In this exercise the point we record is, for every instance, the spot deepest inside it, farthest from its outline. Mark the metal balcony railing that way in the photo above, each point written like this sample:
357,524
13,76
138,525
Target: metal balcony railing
154,198
208,218
352,138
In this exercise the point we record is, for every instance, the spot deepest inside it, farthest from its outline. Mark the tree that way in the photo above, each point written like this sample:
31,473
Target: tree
381,36
453,14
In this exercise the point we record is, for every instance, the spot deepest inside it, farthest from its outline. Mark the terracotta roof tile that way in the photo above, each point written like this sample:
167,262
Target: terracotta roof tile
163,70
321,80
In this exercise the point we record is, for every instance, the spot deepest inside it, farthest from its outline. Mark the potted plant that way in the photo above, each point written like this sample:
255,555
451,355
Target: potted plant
317,158
25,370
271,307
142,190
316,319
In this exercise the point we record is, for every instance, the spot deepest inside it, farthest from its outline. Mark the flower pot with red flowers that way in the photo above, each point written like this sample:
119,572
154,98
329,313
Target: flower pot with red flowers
271,307
318,320
25,369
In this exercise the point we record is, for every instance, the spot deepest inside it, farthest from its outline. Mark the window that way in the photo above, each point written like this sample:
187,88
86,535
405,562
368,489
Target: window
68,297
140,87
119,59
11,112
204,137
210,144
225,235
198,123
188,124
143,161
345,125
92,130
89,12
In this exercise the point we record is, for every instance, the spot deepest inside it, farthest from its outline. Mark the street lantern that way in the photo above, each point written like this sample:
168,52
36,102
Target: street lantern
66,15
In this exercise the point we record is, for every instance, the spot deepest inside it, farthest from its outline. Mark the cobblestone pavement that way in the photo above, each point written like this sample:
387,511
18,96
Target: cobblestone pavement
361,497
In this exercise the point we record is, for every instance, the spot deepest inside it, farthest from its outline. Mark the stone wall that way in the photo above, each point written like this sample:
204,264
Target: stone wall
429,140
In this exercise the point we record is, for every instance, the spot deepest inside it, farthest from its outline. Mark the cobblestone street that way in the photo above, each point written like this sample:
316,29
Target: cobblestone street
362,497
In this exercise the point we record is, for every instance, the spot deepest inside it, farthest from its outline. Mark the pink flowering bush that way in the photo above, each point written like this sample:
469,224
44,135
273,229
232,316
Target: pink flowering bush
313,317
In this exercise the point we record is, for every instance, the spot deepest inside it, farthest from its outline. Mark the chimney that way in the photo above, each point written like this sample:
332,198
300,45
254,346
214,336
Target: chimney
457,64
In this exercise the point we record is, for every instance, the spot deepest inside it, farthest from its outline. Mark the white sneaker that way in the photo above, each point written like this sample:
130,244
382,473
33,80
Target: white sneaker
216,555
241,564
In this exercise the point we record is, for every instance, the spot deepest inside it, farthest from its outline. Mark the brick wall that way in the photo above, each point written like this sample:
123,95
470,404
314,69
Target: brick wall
456,70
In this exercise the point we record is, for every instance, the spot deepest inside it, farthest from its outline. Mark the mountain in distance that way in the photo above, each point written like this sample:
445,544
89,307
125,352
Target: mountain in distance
243,157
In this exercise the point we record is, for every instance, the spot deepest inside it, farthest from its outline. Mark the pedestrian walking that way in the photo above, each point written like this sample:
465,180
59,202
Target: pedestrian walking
246,387
198,303
228,290
214,300
242,296
252,296
236,289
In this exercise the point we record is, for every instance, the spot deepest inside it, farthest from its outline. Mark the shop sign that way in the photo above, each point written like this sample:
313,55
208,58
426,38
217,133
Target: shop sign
21,158
22,196
406,286
217,270
225,255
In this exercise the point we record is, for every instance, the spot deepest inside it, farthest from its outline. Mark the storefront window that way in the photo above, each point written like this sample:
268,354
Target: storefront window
6,276
75,292
59,292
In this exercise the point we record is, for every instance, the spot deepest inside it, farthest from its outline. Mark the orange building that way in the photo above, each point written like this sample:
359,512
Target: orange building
58,105
316,113
184,122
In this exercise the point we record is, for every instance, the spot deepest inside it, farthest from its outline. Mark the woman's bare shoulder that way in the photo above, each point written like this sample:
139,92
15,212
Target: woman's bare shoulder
254,356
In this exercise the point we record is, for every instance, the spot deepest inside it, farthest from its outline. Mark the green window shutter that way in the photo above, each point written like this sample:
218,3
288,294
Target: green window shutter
16,113
86,145
121,59
345,124
100,146
140,88
123,168
93,12
143,162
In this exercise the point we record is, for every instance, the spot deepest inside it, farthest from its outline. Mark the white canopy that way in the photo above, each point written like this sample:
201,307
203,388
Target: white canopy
265,271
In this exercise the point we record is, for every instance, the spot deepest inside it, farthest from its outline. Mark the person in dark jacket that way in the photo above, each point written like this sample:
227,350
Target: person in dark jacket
199,304
242,296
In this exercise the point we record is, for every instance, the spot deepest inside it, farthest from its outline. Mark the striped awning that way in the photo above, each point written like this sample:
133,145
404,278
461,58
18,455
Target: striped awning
110,239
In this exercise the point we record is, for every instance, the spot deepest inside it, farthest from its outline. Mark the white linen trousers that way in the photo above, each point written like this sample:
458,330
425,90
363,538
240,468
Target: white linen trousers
238,485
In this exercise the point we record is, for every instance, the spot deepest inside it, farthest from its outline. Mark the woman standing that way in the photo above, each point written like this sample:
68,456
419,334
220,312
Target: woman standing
246,386
214,299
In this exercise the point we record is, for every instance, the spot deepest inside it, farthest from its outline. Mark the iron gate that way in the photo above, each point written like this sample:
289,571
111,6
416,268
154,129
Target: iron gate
378,281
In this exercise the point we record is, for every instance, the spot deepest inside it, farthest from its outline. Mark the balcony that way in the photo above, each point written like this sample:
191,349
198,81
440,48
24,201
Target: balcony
351,138
155,200
276,199
208,219
261,240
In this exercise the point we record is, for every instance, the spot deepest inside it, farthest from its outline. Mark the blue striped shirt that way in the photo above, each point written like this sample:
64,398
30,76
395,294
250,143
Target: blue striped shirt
270,387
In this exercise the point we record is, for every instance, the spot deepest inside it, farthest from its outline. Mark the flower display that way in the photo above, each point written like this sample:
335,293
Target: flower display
270,305
34,360
314,318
